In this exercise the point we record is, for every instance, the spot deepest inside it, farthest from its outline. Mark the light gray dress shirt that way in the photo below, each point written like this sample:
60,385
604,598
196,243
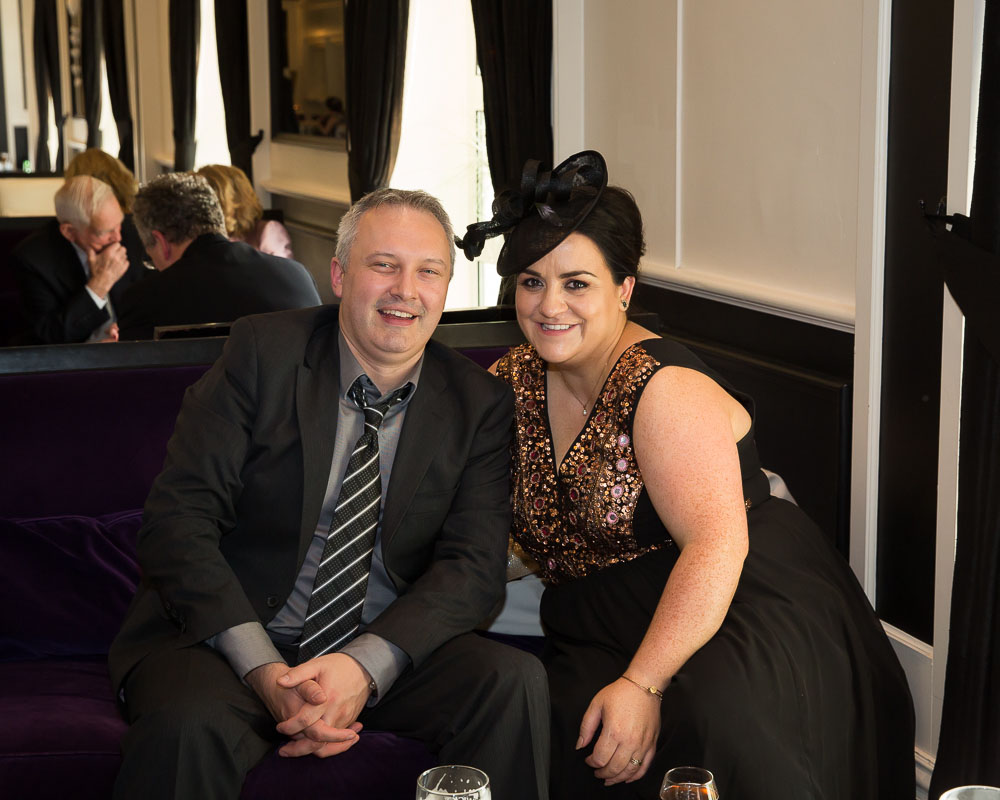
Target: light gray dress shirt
248,646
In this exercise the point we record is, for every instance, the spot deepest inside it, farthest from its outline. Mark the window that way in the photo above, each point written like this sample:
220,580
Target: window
212,147
442,147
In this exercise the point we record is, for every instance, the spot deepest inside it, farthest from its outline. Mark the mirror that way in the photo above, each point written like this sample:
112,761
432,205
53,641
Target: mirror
308,74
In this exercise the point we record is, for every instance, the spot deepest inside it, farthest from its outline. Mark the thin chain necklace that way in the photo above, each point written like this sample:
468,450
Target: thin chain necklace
600,377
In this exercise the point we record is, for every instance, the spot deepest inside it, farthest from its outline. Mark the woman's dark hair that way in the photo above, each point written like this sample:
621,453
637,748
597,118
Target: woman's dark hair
615,226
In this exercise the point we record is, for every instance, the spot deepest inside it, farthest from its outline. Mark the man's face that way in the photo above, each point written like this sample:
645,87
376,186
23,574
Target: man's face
105,228
393,289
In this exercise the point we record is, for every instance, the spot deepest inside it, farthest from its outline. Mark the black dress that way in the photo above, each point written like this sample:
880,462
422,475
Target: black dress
799,695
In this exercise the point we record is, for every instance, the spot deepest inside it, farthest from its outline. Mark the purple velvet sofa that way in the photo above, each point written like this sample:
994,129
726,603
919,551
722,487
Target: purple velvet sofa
80,449
83,432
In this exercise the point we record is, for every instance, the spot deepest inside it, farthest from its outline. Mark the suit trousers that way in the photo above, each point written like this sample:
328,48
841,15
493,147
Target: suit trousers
196,729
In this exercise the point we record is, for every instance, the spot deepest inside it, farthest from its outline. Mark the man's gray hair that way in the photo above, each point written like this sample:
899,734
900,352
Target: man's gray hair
406,198
80,198
180,205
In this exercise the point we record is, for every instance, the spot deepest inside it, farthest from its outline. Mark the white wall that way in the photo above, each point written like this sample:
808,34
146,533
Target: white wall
738,126
150,58
14,82
630,75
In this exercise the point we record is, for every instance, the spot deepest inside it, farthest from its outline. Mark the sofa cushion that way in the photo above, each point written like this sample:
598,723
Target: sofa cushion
68,581
61,734
380,765
61,730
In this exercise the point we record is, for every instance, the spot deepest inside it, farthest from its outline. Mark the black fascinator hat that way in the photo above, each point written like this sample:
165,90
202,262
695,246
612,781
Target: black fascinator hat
541,213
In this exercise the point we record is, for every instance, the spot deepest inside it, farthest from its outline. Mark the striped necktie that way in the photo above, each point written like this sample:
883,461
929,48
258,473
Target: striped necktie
342,578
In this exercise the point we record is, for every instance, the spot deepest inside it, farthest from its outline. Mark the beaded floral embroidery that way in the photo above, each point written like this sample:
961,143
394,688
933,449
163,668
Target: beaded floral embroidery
576,518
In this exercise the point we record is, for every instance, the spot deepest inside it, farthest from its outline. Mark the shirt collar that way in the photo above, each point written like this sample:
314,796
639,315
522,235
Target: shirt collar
351,370
82,255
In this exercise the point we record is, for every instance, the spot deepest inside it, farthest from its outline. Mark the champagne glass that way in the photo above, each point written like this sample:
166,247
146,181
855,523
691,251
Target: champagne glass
453,782
689,783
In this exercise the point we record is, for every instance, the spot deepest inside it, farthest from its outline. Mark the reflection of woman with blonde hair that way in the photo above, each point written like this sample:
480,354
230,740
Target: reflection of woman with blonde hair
243,212
106,168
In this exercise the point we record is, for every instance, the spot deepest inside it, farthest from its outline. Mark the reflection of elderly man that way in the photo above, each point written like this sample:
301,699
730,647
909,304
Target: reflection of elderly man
200,275
74,270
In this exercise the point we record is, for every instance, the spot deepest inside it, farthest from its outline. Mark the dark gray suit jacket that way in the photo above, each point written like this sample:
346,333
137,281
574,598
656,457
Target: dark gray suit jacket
228,521
215,280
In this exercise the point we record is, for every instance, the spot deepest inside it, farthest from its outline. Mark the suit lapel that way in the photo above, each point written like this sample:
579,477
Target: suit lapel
317,385
419,442
66,267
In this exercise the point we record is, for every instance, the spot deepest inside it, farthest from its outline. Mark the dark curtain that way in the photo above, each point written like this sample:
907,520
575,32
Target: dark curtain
969,748
90,56
113,18
185,30
3,113
375,45
283,118
46,44
514,49
234,75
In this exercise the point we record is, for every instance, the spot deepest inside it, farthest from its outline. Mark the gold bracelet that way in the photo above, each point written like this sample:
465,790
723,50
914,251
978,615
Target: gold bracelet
649,689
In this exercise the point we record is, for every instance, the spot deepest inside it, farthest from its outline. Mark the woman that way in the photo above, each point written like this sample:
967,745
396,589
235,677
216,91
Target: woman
690,617
243,212
105,167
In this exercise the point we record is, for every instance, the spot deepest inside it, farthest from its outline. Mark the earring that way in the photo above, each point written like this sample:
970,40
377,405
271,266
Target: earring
624,305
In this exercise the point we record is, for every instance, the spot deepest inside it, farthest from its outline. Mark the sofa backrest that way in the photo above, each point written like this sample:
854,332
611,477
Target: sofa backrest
91,441
86,442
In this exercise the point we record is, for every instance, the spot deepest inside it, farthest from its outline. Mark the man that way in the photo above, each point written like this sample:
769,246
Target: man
73,271
265,486
201,276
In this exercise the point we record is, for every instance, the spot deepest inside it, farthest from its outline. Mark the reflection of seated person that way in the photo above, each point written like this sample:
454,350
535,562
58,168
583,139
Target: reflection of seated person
690,617
334,121
328,121
73,272
243,212
201,276
98,164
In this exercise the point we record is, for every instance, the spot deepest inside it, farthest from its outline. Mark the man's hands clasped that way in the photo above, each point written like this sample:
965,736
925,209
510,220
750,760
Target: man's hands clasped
316,703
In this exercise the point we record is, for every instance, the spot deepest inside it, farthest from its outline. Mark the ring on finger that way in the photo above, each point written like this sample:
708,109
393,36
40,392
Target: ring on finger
635,761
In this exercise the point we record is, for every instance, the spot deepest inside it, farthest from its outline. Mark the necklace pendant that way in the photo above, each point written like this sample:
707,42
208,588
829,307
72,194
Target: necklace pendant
584,411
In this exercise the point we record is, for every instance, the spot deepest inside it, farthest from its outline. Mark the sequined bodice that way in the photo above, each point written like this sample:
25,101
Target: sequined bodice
578,517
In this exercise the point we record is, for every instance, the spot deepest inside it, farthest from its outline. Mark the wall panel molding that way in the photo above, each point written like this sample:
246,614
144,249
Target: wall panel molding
811,309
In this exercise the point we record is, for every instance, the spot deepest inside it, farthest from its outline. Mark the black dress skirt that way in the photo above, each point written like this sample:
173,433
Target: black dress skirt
799,695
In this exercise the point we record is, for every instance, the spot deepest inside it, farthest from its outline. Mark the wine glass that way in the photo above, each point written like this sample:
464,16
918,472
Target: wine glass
689,783
453,782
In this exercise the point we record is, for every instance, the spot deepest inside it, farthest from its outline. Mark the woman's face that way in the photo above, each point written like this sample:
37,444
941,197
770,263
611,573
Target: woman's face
568,304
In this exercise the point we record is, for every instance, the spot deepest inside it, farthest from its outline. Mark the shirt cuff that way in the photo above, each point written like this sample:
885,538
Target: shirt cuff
245,647
100,302
384,661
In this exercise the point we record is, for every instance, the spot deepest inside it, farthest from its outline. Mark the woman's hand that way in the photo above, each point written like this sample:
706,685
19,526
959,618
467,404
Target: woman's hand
630,724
